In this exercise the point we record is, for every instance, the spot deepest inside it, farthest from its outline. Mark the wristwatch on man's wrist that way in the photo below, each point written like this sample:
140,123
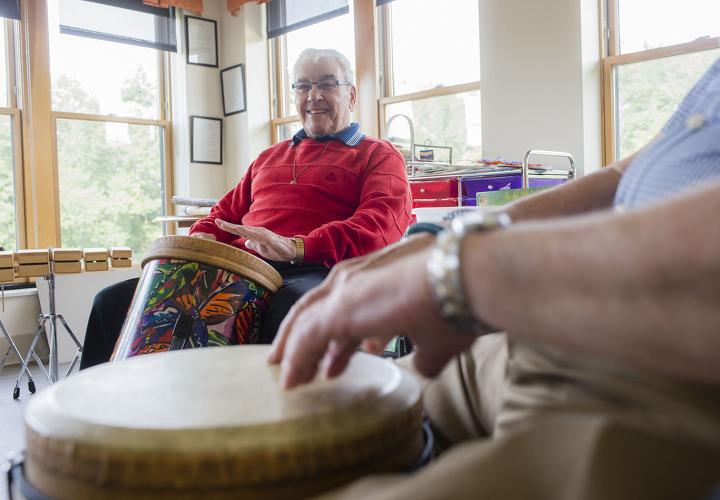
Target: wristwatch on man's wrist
299,249
445,273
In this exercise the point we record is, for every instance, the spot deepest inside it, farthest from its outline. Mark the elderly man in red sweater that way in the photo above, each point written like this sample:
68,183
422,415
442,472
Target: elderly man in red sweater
328,194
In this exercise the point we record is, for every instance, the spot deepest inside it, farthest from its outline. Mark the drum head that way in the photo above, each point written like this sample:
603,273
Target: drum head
216,254
215,422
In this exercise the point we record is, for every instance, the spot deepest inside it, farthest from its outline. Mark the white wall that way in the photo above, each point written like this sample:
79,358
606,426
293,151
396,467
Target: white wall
241,39
540,75
248,133
196,91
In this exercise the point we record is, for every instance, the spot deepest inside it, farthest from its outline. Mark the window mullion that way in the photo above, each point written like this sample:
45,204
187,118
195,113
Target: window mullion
39,162
366,66
386,51
280,77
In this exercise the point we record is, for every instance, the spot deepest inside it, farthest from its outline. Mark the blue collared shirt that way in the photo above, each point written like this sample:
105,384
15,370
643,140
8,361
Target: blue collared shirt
351,136
686,154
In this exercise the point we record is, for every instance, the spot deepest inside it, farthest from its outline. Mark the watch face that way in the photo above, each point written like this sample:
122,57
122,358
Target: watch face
480,221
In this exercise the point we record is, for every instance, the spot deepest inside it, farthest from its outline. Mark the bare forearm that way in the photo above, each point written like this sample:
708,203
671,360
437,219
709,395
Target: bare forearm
586,194
641,288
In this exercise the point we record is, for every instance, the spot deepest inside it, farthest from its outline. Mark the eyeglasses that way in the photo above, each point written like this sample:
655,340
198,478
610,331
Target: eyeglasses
302,88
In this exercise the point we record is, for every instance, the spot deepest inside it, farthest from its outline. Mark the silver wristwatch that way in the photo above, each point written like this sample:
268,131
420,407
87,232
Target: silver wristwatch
445,273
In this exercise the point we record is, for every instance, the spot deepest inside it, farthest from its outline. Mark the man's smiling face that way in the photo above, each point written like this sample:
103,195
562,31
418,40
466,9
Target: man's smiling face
328,112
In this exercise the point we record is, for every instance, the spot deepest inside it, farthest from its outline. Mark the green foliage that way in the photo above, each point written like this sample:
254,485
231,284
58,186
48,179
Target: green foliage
140,92
443,121
7,192
109,173
68,95
649,92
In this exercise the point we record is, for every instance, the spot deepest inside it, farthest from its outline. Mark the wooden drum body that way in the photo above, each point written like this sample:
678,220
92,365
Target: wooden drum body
217,425
221,292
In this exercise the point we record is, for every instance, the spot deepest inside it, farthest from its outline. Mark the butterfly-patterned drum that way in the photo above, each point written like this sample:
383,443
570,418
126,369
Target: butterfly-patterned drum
196,292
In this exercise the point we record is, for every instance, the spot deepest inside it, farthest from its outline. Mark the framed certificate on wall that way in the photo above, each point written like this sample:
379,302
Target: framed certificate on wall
206,140
201,41
232,84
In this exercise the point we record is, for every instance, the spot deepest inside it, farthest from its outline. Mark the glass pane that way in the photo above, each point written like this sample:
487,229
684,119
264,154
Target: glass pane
3,66
8,228
643,106
647,24
285,131
337,33
452,121
110,177
434,44
100,77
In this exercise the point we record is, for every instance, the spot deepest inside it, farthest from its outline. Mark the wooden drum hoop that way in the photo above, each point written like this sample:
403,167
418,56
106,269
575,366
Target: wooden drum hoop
214,423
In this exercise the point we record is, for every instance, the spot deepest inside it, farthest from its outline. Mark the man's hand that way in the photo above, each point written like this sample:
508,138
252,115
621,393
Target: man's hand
366,301
207,236
264,242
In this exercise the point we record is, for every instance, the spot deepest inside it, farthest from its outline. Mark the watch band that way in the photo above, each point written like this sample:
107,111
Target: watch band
299,249
445,273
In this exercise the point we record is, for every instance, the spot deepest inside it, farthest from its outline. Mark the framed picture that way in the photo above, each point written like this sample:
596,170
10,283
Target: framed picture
206,144
232,85
201,41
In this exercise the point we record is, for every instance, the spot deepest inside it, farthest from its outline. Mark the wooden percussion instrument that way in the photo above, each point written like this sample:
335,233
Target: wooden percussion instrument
201,291
214,423
40,262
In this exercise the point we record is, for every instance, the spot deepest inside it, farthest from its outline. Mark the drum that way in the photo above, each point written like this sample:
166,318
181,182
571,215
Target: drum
217,425
196,292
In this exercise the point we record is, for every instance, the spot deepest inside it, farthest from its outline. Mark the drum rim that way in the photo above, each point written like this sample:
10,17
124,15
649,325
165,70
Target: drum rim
391,435
16,467
219,254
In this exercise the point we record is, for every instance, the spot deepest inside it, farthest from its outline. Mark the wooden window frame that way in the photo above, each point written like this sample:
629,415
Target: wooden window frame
38,164
386,57
13,111
612,59
276,59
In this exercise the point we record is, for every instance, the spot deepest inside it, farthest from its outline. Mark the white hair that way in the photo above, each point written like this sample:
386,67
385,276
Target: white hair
315,54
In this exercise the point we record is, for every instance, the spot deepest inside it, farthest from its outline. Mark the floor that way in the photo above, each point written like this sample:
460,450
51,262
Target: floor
12,438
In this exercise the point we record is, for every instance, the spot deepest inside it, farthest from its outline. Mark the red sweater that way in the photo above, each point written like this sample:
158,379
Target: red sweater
349,201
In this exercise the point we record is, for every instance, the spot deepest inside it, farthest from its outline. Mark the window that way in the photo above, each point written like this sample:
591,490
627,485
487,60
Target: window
336,33
10,154
110,139
448,55
449,120
3,64
649,24
440,93
644,104
8,226
652,62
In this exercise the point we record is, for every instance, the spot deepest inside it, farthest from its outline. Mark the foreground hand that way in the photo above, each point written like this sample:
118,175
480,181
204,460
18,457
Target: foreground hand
368,301
342,271
264,242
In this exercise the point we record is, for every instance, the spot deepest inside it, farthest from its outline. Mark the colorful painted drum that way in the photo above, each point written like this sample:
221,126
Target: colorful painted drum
219,426
196,291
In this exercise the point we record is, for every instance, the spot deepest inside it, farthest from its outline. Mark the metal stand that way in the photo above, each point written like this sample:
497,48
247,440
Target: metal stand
13,347
52,369
183,337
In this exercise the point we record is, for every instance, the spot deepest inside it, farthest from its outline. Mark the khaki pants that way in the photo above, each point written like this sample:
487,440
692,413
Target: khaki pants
527,422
